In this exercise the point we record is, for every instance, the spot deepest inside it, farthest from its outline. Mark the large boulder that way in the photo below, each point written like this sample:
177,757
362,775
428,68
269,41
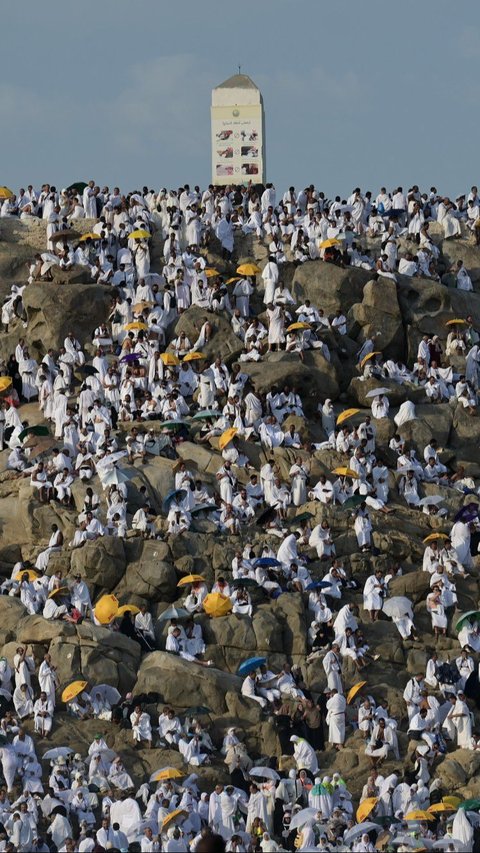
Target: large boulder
328,286
379,311
101,562
315,376
184,683
223,342
52,309
150,575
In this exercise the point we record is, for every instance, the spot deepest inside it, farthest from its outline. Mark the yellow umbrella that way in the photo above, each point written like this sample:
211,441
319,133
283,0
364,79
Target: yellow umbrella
343,471
194,356
139,234
211,272
452,800
354,690
348,413
216,604
5,192
233,279
294,326
32,574
248,269
226,437
130,327
191,579
90,235
61,590
419,814
456,322
440,807
127,608
73,690
432,536
368,357
327,244
172,817
106,609
5,382
366,808
169,359
165,774
140,306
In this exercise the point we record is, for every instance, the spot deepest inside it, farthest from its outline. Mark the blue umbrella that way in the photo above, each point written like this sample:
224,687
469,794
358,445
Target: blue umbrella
250,665
132,356
266,562
203,508
467,513
318,585
174,495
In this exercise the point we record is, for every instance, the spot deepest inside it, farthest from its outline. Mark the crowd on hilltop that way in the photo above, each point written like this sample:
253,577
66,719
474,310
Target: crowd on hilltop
140,387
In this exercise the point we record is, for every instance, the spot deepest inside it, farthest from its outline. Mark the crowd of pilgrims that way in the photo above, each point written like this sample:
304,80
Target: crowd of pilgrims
134,369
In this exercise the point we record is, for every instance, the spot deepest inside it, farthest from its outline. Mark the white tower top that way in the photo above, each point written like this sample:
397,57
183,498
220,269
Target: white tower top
238,132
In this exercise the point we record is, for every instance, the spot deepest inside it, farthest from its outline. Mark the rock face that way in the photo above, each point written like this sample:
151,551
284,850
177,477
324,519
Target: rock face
140,571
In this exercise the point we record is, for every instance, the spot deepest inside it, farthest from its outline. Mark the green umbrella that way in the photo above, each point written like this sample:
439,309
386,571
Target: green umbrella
354,501
385,820
470,616
239,582
34,430
197,710
79,186
206,415
303,516
173,425
470,805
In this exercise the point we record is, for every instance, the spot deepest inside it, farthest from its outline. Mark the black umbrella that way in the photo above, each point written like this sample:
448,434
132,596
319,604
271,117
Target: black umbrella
79,186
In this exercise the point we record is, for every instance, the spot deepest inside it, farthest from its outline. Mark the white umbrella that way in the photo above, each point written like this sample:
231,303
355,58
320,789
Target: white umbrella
173,613
107,692
57,752
443,843
265,773
303,817
397,607
112,477
431,500
376,391
359,829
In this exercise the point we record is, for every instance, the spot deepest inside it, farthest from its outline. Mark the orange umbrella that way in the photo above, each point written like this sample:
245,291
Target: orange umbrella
348,413
226,437
169,359
61,590
419,814
5,383
6,193
248,269
354,690
211,272
106,609
90,236
216,604
127,608
32,574
130,327
344,471
173,817
368,357
191,579
194,356
366,808
73,689
432,536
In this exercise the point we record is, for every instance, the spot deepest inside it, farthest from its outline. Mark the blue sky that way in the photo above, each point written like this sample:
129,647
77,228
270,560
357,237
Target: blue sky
362,94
